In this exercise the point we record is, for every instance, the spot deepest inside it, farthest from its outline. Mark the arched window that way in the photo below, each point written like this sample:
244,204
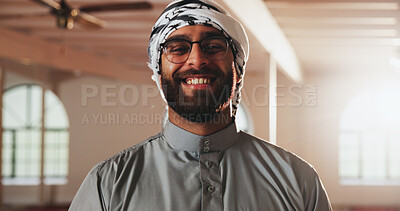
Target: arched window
369,140
22,136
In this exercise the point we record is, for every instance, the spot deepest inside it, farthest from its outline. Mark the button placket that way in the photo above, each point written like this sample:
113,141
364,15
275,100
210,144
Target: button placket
211,180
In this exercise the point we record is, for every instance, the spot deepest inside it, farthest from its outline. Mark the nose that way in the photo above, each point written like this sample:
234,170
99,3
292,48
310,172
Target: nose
197,59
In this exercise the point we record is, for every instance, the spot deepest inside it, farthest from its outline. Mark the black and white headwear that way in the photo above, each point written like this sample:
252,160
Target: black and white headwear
182,13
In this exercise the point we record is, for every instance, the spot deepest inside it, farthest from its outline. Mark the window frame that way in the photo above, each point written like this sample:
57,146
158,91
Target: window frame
362,145
13,178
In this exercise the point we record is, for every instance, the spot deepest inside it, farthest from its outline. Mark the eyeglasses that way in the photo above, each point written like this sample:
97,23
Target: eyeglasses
177,51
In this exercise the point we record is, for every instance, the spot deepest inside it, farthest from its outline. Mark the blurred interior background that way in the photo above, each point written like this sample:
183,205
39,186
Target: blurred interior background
323,81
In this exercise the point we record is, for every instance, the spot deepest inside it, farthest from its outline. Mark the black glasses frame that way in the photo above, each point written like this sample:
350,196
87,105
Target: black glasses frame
165,44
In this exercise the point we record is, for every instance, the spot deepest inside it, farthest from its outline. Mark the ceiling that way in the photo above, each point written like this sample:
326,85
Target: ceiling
124,38
327,35
341,35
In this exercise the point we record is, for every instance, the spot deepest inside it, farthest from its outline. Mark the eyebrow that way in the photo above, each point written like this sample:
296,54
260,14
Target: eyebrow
179,37
212,34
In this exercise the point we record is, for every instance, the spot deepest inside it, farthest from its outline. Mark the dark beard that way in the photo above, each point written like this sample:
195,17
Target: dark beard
205,105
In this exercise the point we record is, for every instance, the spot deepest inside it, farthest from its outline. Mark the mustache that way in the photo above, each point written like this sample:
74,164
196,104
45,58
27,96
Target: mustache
191,72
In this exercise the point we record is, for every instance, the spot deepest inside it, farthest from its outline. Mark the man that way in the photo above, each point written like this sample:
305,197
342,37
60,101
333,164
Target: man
199,161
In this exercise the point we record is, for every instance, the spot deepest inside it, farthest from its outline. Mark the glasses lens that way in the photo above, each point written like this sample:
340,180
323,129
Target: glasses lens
215,47
177,51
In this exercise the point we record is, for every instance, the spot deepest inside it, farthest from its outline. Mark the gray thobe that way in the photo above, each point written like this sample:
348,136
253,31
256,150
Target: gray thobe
176,170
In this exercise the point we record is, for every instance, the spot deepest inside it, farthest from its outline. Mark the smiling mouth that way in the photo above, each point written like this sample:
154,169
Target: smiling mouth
199,80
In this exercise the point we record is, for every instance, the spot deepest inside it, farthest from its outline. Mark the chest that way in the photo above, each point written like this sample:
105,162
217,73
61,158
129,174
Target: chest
206,182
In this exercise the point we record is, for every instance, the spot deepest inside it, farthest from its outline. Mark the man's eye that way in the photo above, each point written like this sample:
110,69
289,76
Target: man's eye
214,48
178,48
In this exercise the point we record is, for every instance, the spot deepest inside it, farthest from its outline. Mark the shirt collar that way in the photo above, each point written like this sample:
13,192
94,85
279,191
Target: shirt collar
181,139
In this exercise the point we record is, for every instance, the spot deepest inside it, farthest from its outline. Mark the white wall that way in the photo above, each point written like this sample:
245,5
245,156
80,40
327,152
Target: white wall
100,129
312,132
289,102
255,97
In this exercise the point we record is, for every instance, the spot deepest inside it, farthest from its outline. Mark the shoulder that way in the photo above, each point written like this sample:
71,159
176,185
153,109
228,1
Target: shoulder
276,155
290,167
101,178
125,157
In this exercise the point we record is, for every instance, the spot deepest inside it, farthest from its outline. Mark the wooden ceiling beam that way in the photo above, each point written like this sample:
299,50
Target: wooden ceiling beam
124,49
53,29
339,20
334,1
94,41
334,33
30,23
50,24
138,16
72,34
18,9
132,55
51,19
322,27
350,42
105,42
322,5
316,13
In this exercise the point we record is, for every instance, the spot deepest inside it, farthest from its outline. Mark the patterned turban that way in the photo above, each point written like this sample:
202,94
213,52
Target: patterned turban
199,12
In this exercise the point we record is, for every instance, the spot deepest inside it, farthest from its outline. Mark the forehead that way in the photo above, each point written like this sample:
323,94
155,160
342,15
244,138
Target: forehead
195,32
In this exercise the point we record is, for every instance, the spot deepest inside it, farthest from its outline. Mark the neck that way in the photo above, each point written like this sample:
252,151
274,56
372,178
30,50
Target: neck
202,129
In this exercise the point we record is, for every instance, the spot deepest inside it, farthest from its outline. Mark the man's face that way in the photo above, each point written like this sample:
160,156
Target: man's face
201,87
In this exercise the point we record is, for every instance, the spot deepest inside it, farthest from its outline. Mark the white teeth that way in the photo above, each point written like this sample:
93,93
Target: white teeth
198,81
